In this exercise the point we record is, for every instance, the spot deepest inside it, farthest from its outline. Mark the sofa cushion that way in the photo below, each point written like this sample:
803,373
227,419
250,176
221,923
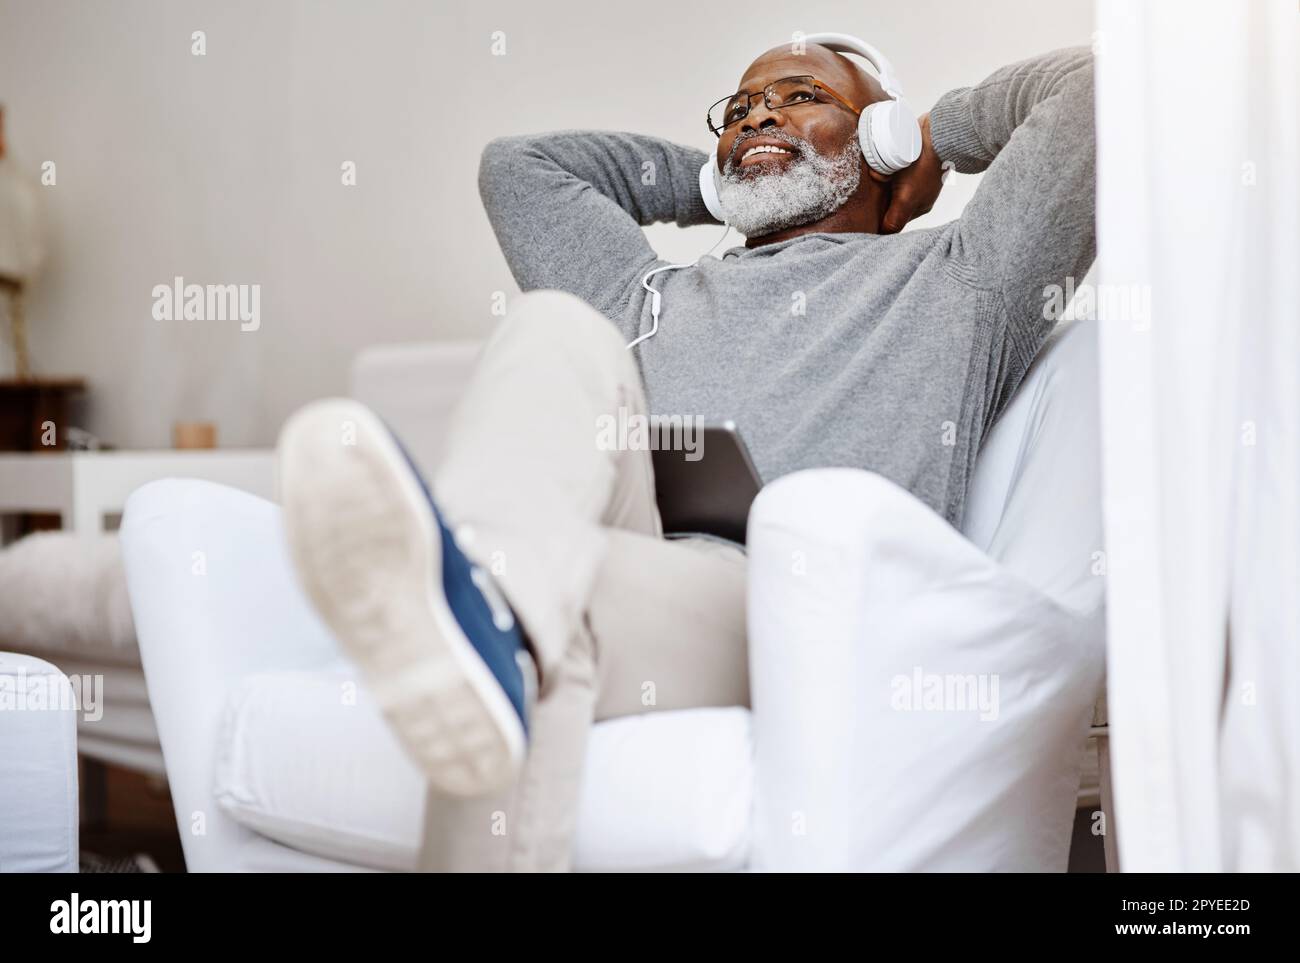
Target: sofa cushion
66,594
1034,504
306,759
669,791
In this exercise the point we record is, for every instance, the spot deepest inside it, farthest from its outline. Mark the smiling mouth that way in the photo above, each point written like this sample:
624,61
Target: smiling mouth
764,153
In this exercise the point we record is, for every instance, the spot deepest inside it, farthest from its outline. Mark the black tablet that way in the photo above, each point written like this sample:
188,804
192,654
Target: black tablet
705,485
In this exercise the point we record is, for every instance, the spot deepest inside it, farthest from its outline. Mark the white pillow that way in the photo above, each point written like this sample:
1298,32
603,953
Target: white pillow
306,759
668,791
857,592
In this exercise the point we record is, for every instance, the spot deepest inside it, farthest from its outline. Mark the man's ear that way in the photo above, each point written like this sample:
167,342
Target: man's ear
875,175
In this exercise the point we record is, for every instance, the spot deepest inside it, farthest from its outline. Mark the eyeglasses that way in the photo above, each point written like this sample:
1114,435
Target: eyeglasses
786,92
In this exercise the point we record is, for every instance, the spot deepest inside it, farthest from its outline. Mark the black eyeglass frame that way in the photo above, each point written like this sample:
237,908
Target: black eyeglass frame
766,93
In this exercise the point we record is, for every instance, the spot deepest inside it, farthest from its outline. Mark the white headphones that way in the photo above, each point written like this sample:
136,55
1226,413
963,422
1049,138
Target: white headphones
888,130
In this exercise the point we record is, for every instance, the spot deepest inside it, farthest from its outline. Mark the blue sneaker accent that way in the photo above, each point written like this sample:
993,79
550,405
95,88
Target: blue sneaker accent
496,645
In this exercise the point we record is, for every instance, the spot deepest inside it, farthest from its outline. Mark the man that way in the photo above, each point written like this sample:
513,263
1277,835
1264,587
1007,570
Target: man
905,350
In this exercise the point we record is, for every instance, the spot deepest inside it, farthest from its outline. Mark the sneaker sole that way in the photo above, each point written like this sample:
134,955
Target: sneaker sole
369,553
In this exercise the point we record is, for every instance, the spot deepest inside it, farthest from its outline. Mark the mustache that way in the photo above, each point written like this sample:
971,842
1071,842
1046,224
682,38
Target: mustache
798,143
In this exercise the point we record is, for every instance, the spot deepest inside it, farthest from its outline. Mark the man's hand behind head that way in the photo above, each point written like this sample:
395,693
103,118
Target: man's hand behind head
916,188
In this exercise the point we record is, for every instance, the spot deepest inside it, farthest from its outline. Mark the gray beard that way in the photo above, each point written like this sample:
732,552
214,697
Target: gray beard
813,186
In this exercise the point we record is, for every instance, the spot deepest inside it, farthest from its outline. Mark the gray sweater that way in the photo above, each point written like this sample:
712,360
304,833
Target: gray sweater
907,347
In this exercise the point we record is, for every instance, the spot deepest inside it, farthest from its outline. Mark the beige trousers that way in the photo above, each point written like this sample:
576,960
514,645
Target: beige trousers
620,620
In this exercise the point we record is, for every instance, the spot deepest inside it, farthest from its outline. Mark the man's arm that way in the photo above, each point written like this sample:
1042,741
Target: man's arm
567,207
1031,222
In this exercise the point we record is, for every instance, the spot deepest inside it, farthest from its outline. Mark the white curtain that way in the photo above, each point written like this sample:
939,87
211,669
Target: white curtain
1198,164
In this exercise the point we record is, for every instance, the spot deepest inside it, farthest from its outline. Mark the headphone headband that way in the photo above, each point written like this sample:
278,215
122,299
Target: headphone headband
847,43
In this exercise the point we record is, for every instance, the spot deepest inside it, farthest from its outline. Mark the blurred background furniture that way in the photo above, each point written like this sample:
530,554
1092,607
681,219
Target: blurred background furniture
38,767
34,415
22,250
65,601
87,490
278,761
29,405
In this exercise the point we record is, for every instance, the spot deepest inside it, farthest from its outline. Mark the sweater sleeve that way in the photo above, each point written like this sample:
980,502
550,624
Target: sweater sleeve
1031,223
567,207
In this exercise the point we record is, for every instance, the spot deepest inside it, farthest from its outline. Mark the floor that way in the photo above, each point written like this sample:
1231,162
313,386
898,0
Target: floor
1087,852
136,817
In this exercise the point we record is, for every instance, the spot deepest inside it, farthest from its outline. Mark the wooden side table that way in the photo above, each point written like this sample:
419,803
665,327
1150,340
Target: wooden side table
26,404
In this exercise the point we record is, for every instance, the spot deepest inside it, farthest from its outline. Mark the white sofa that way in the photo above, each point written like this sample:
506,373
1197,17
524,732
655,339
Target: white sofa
38,767
277,761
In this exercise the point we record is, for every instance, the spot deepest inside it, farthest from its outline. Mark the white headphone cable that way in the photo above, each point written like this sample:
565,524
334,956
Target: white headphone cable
654,295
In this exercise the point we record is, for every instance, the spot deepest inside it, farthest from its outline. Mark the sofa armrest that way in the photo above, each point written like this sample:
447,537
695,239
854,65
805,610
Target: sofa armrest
38,767
214,598
918,706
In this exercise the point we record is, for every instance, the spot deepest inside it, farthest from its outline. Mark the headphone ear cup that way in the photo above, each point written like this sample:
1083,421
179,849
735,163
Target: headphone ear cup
890,136
710,181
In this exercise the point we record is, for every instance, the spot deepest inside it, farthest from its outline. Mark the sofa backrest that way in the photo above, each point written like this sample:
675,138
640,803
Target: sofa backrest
1034,503
415,388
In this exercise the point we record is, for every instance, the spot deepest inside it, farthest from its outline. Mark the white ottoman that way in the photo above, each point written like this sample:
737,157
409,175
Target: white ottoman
38,767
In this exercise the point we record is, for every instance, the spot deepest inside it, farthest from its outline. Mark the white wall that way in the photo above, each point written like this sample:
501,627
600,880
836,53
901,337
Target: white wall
226,168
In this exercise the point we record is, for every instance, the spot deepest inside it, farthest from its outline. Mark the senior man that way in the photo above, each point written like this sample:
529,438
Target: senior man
537,556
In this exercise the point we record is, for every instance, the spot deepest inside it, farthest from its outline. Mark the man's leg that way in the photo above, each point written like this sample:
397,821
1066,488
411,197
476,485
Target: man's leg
664,629
523,479
620,620
527,493
669,622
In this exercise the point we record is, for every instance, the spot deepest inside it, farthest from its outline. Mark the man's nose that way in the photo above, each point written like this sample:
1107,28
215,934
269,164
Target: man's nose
761,117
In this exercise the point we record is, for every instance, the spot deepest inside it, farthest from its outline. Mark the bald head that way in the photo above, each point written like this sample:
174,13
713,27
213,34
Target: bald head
831,68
